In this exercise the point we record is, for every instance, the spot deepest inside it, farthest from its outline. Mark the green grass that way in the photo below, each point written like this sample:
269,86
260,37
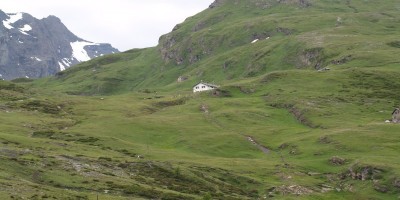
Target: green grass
122,123
304,117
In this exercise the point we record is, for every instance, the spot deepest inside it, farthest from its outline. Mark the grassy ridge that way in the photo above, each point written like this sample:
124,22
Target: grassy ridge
215,45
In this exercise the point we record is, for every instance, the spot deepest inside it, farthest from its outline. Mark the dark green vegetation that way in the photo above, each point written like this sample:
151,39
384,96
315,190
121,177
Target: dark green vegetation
122,127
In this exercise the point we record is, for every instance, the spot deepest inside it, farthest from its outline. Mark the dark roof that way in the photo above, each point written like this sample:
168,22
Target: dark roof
208,84
395,111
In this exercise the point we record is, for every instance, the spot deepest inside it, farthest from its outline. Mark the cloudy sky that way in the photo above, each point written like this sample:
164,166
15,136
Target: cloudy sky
125,24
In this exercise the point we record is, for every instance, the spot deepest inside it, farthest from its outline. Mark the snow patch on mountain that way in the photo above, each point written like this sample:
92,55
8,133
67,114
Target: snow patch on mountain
78,51
25,29
36,58
66,62
62,67
13,18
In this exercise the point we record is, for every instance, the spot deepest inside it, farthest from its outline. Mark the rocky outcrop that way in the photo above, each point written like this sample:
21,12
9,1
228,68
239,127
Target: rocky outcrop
362,172
216,3
313,57
34,48
300,3
335,160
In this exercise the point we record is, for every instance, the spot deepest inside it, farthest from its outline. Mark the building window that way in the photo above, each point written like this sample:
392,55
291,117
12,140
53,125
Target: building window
197,87
203,86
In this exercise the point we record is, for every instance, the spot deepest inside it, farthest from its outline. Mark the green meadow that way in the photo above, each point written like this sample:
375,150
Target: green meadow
300,113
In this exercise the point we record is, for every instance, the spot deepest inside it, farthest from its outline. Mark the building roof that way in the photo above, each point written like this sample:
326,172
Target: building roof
208,84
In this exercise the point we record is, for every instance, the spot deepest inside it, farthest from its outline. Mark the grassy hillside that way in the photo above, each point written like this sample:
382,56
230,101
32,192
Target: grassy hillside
300,113
324,131
215,45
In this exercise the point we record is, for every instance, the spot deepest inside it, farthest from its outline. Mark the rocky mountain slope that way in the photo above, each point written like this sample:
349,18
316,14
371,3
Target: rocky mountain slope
35,48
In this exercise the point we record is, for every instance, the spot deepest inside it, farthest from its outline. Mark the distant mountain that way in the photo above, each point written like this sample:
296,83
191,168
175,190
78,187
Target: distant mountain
34,48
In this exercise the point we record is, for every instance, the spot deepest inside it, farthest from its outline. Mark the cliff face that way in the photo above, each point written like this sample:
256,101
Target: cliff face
35,48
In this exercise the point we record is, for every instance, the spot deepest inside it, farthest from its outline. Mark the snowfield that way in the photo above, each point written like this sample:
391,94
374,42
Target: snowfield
78,51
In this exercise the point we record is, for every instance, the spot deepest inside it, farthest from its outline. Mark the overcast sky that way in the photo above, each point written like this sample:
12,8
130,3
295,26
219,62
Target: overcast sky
125,24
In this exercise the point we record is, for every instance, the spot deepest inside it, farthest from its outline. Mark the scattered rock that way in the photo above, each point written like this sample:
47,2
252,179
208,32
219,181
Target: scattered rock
221,93
204,108
396,183
313,173
326,188
285,31
313,57
363,173
283,146
325,140
246,90
388,121
342,61
396,116
335,160
294,150
293,189
182,79
300,3
324,69
381,187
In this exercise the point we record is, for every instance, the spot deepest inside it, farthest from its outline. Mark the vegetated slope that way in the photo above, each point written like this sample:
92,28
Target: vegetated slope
325,133
216,45
325,130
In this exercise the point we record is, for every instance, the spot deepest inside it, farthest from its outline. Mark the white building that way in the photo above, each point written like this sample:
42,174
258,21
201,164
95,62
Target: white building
200,87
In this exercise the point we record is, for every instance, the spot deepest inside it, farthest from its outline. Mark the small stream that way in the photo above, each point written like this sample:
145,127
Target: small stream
259,146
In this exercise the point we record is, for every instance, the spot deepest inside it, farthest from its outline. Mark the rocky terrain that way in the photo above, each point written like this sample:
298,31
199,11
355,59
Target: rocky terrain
34,48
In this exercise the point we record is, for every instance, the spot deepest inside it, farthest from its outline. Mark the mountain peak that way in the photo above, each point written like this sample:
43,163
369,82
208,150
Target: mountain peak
37,48
52,18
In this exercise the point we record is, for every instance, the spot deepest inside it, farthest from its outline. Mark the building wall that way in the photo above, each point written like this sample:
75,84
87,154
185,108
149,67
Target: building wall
201,87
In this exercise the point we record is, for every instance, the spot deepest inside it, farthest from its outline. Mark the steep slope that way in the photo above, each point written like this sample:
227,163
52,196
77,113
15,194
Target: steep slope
241,39
38,48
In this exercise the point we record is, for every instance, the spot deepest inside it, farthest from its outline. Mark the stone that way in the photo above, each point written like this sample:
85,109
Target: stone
181,79
335,160
396,116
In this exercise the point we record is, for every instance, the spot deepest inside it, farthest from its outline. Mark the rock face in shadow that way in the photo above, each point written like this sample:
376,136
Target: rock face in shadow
35,48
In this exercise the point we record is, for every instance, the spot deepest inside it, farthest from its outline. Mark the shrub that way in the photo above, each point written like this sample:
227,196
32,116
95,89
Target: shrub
395,44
